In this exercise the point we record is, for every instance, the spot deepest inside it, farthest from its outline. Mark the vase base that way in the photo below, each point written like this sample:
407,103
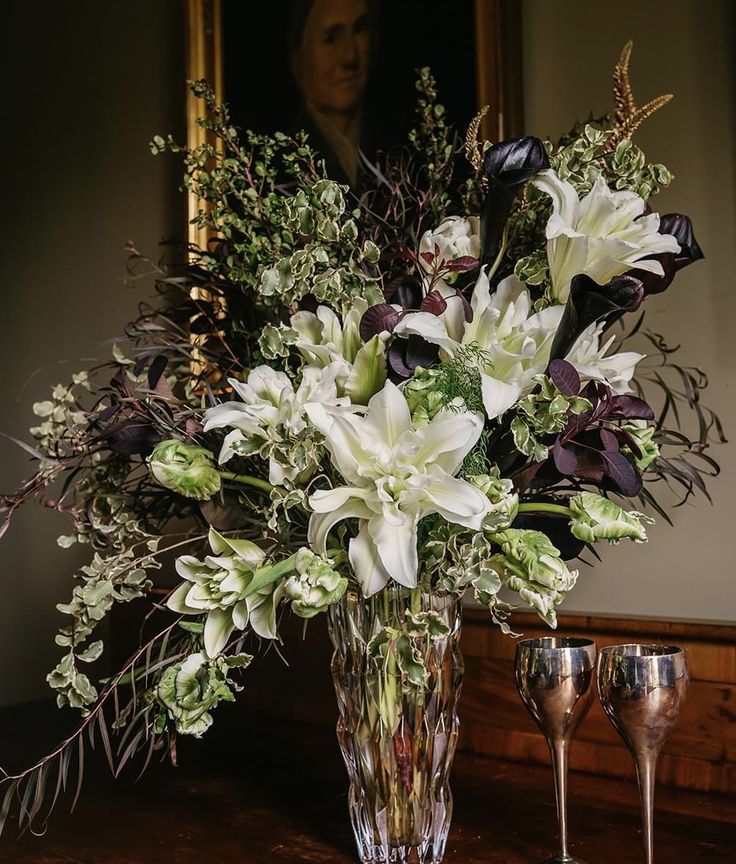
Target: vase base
425,854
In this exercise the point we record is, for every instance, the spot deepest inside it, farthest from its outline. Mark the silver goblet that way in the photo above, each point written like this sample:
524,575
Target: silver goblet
553,676
643,688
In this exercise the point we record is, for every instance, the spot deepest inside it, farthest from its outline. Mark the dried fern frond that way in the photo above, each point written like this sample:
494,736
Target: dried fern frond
628,117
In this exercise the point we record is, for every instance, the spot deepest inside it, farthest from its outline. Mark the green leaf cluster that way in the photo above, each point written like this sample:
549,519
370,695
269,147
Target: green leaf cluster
544,412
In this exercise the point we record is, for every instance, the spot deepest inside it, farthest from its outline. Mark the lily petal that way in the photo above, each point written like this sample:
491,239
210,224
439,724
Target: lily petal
388,414
397,548
366,564
498,396
458,501
217,630
448,439
321,524
429,327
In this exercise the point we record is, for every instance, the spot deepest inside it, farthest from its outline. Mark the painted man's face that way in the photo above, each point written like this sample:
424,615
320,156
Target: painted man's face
331,65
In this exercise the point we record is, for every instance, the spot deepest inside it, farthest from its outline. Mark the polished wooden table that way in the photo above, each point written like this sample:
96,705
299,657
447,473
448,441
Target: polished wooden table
276,793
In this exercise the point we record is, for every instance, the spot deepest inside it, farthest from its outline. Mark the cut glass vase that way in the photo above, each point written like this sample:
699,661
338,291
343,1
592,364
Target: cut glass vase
397,691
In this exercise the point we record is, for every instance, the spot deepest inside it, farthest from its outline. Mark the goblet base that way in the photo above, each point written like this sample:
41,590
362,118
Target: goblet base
555,859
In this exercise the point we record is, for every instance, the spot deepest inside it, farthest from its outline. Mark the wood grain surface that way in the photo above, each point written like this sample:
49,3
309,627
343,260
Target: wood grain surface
275,793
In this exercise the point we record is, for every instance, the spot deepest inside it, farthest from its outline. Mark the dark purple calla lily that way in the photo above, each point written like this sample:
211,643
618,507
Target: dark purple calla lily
515,162
507,166
590,302
405,355
681,228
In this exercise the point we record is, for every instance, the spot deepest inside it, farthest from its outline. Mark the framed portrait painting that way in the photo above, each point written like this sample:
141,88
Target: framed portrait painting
345,70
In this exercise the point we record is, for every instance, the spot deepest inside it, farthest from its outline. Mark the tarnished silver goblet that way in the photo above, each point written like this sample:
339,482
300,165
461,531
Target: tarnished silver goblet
643,689
554,675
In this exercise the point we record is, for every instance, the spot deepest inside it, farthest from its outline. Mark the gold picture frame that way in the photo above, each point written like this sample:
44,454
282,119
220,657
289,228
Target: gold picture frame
498,71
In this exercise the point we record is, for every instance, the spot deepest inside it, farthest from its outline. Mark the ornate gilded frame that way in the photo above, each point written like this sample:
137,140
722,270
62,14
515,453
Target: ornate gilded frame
498,71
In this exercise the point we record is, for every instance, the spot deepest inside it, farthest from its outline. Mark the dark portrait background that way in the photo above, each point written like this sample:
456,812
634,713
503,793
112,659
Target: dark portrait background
263,96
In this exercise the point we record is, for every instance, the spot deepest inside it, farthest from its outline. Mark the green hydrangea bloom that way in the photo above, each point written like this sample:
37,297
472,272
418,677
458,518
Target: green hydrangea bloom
599,518
186,469
189,690
315,585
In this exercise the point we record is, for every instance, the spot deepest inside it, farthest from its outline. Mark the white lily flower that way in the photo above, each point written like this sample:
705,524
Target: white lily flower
270,412
603,234
396,474
323,340
516,344
588,356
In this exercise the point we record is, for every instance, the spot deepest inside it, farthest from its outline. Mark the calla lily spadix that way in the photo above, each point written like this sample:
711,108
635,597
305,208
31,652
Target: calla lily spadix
395,475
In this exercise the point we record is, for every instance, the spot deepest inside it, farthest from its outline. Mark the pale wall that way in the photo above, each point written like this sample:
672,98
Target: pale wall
85,85
686,47
88,83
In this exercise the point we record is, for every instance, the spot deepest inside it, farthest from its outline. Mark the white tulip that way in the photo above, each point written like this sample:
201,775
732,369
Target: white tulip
603,234
396,474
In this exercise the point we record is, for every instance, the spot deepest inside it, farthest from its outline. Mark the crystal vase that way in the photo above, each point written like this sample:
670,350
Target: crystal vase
398,670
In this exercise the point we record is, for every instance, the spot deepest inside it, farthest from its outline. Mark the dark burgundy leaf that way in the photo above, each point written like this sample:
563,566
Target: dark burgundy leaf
565,377
566,458
434,303
463,264
405,291
609,441
427,256
581,461
131,437
526,476
631,407
156,370
376,319
623,474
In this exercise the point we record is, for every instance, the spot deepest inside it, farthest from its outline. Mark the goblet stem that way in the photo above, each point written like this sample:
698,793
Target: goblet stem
646,765
558,751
